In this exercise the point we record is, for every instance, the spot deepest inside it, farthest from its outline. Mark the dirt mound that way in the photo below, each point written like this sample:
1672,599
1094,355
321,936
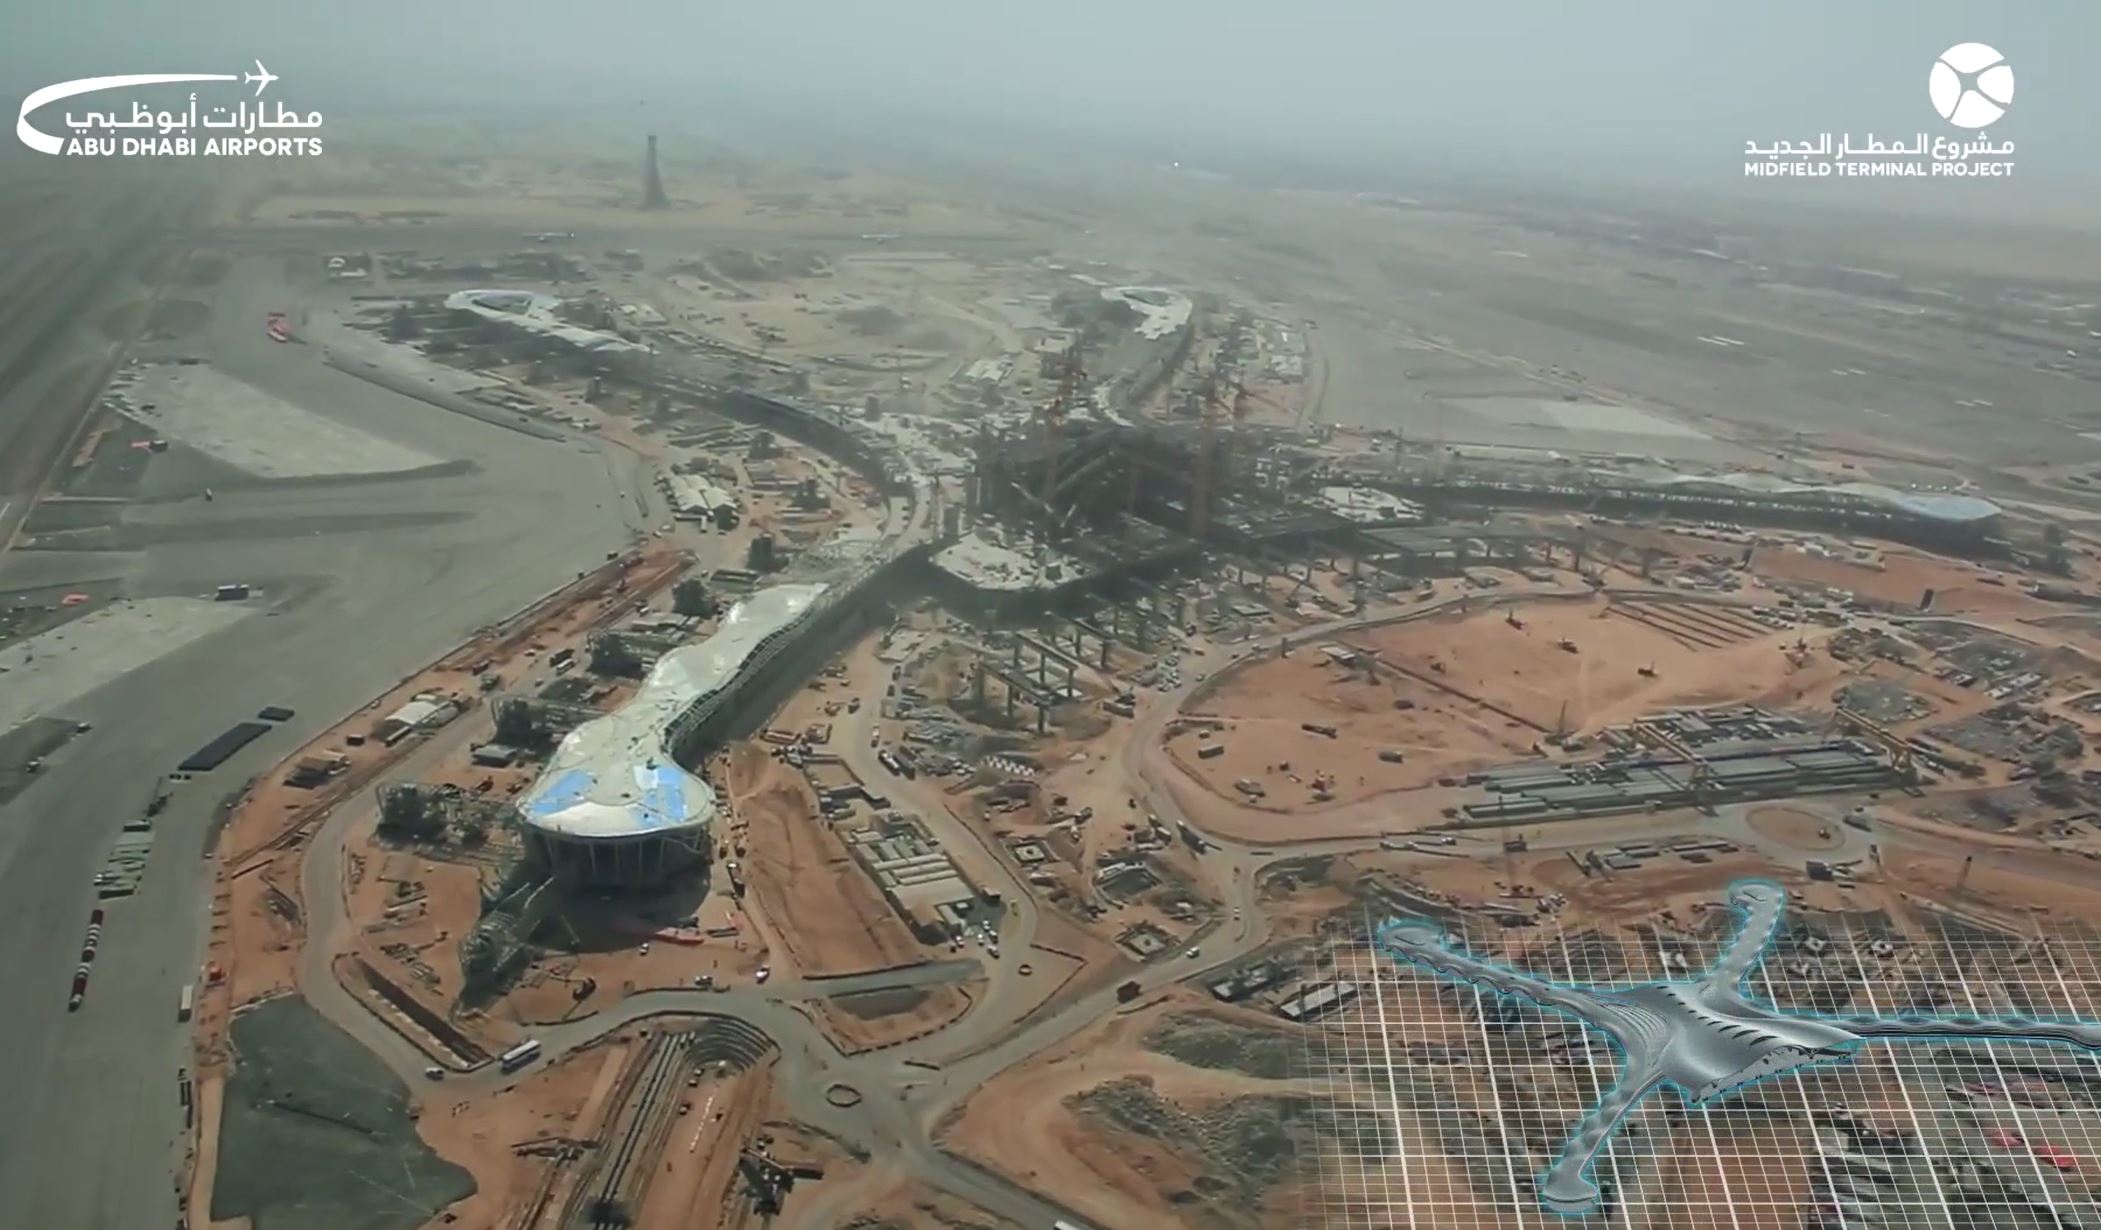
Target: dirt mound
1204,1041
1243,1146
872,321
872,1005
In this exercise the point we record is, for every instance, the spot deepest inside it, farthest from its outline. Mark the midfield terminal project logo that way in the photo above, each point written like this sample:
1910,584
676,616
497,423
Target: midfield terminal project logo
1704,1036
191,131
1971,85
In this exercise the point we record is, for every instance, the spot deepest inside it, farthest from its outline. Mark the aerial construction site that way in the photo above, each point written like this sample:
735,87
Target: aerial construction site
699,690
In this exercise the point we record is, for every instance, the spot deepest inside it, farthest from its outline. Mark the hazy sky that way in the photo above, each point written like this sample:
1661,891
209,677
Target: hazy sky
1678,85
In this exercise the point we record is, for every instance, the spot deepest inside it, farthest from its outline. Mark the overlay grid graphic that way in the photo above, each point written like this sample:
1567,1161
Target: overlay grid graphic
1449,1102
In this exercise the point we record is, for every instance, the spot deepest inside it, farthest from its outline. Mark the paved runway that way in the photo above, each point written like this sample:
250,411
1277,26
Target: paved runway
351,604
97,233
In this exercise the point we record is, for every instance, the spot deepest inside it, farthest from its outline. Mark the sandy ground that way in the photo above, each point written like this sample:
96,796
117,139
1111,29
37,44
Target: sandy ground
482,1135
908,1205
547,990
824,909
1524,671
865,1024
2022,885
413,911
1452,695
1018,1123
697,1187
1793,827
1905,576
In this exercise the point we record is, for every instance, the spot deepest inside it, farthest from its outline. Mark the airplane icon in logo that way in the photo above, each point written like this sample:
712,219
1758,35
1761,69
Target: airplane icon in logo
262,77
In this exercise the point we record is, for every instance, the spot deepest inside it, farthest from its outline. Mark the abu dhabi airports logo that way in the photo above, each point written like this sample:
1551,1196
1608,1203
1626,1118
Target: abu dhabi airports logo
1971,85
194,131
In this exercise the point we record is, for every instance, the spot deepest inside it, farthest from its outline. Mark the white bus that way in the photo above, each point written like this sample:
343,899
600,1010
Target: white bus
520,1055
188,1003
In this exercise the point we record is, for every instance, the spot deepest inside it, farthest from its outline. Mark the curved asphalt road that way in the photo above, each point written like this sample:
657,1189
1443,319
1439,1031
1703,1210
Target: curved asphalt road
907,1090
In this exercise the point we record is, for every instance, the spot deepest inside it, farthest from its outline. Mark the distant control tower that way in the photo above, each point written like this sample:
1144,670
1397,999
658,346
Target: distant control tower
653,183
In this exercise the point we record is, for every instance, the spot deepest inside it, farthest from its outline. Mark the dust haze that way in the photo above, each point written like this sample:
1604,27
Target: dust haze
938,615
1360,90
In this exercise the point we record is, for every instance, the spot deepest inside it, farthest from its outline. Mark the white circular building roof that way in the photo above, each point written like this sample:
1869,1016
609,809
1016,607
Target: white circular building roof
614,776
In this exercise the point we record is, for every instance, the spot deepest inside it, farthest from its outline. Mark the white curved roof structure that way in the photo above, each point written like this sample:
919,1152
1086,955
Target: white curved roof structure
535,313
614,776
1160,312
1952,507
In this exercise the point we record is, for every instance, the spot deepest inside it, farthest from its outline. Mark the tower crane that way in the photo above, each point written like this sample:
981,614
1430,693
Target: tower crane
1200,484
1898,748
1654,735
1243,399
1070,373
1213,456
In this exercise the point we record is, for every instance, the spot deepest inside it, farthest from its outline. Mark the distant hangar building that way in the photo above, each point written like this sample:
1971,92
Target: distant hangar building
538,315
1942,520
614,807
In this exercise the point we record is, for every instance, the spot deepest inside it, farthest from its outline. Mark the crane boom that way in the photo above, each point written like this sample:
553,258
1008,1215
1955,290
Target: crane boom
1069,375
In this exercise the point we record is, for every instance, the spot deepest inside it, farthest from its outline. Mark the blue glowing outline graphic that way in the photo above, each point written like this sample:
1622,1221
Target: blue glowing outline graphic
1702,1036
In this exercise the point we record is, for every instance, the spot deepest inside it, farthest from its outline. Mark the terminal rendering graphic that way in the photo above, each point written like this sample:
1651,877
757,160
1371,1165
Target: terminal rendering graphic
1703,1037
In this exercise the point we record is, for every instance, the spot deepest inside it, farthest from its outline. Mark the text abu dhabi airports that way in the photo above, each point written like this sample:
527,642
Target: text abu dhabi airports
1939,157
194,130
